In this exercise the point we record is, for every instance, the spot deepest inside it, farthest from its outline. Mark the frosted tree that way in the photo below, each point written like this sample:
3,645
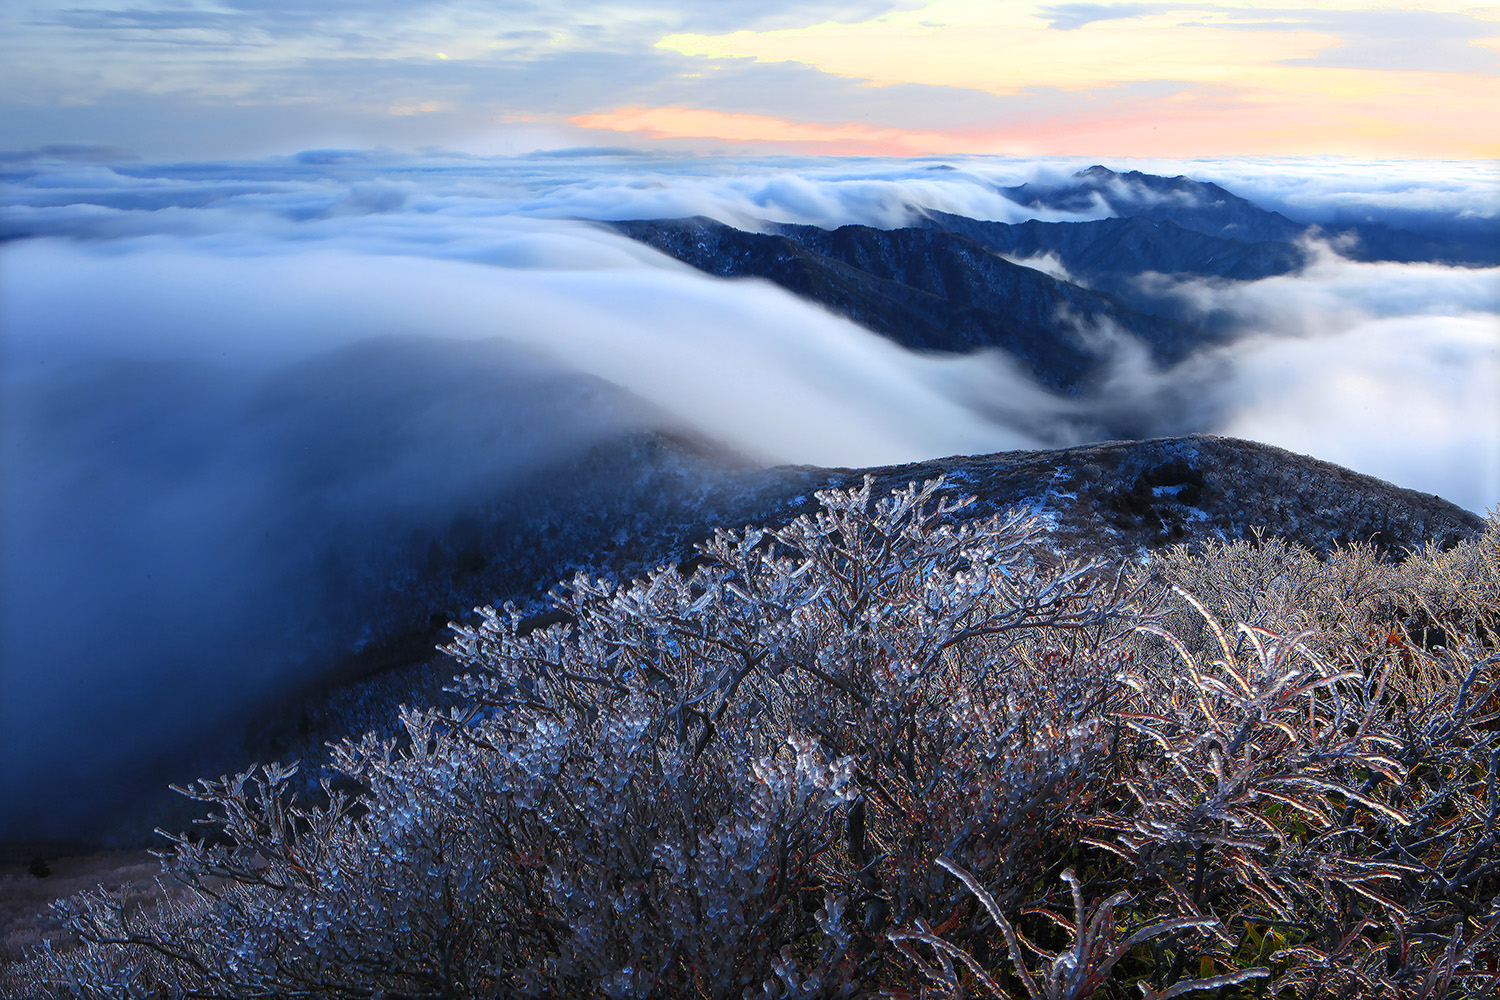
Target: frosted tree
880,750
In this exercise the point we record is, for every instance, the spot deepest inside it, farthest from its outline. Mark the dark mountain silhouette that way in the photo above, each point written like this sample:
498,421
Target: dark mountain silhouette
944,283
926,289
1209,209
1477,246
1109,255
1197,205
1109,249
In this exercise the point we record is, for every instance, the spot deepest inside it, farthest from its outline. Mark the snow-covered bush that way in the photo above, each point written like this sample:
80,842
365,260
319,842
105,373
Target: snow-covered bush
878,750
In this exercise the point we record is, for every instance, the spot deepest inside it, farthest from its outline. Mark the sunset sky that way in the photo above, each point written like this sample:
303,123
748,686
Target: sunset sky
244,77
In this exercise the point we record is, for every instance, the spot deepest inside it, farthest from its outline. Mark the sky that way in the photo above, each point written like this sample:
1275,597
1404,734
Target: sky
222,78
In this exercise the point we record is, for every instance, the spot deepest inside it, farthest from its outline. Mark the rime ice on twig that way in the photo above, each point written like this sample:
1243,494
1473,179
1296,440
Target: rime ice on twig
761,778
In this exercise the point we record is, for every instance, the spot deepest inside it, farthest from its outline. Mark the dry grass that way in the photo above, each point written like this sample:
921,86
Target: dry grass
24,897
1349,602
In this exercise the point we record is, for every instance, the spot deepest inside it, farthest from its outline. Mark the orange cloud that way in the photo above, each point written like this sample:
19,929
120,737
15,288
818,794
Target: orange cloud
1182,126
1257,52
702,123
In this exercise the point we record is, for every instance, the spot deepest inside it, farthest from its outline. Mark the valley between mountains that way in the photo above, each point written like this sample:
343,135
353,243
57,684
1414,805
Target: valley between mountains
1141,279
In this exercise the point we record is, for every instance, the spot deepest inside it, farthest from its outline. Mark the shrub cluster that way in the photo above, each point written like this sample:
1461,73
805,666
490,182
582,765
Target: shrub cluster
884,751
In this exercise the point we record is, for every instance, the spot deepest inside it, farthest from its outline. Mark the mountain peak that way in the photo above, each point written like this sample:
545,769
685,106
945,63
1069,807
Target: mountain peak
1198,205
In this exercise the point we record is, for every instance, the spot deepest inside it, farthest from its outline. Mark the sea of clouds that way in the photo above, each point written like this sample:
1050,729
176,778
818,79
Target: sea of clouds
211,370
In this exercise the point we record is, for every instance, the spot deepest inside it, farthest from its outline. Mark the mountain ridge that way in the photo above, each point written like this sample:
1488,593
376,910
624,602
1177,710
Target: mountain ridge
937,292
924,289
1215,211
646,499
1193,204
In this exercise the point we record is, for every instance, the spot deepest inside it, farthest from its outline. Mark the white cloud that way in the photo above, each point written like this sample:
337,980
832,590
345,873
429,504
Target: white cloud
1047,263
1333,190
746,361
512,215
177,477
1390,369
1411,399
1333,294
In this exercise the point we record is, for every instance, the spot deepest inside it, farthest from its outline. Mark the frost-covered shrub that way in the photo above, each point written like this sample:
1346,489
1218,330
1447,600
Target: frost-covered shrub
878,750
1274,584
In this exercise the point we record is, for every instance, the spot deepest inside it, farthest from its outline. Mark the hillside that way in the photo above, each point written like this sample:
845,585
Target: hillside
628,508
890,727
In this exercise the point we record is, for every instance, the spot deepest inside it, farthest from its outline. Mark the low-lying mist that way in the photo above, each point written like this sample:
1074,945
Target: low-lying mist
220,379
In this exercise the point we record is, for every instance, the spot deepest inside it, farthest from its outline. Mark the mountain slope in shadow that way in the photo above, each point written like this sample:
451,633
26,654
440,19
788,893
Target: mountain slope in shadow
927,290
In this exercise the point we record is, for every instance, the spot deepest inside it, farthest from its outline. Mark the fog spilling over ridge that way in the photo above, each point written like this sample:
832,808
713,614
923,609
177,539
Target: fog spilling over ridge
221,379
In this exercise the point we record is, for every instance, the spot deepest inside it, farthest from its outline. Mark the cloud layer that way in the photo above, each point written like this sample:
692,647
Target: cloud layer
218,377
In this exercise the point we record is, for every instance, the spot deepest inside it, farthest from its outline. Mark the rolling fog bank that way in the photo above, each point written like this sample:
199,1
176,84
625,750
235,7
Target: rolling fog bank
236,393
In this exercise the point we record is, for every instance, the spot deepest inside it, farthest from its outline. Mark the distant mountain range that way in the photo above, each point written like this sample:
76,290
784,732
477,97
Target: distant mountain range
1207,208
949,283
925,289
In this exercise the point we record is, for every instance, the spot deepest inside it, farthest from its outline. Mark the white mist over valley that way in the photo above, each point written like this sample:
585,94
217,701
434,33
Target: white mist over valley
216,374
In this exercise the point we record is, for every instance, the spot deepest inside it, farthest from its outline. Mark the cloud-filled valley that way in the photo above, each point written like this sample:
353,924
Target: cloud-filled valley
219,376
